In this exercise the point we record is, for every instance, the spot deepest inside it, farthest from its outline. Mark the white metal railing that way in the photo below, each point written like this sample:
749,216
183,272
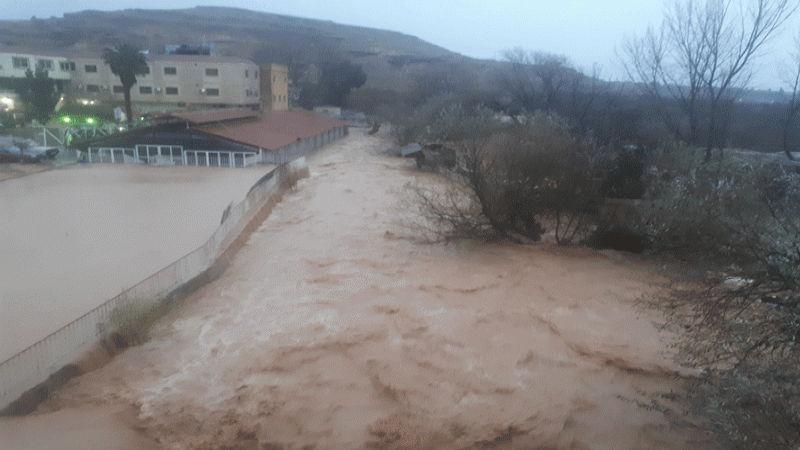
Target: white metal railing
111,155
253,159
59,140
161,154
217,158
36,363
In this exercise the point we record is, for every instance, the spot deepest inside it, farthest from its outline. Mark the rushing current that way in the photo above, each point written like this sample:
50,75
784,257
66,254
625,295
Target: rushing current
335,329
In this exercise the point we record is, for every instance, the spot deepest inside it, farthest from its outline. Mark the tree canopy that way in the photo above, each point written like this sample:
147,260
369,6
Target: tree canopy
701,57
337,80
40,93
126,62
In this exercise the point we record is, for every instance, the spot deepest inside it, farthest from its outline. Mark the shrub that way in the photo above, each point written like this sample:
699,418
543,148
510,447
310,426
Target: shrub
617,237
734,214
403,135
134,320
689,208
429,122
625,177
756,409
511,181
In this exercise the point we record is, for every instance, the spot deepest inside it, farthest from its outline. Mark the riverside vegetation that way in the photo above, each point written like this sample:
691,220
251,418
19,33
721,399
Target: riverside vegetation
732,224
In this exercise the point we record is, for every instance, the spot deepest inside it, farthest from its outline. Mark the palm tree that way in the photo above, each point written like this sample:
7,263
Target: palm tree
126,62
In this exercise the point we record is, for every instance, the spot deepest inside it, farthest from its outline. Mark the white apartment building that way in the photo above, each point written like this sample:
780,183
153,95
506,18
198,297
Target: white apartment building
14,63
172,81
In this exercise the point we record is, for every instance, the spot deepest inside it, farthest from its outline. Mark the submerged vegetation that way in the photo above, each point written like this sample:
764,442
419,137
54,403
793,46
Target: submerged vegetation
561,156
732,222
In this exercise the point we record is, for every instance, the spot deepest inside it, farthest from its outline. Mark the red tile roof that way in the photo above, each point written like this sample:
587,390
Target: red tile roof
274,129
205,117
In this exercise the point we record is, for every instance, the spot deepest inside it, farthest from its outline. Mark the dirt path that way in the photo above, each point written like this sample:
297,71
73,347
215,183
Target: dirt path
333,331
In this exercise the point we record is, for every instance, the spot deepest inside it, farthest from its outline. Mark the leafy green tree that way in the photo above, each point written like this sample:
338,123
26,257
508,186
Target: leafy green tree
41,94
126,61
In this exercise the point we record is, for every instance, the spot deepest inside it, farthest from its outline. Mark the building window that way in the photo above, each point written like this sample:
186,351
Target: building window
67,66
171,91
212,72
256,74
145,90
90,68
212,92
46,64
170,70
92,88
146,70
246,72
19,63
118,90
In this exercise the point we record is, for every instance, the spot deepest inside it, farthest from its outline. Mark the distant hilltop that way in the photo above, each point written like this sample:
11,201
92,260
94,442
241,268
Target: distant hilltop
260,37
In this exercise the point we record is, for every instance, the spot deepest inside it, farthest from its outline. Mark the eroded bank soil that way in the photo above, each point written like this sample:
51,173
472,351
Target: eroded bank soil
334,330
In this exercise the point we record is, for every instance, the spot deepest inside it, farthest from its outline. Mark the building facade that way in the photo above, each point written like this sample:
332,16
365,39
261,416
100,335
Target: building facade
275,84
15,62
175,81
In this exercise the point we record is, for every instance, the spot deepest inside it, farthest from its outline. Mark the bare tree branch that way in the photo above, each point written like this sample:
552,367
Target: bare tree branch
699,58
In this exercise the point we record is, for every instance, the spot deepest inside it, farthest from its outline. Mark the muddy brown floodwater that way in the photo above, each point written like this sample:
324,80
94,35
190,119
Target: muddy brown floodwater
334,330
74,237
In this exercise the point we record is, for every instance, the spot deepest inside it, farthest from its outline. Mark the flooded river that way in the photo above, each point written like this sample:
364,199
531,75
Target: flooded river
334,329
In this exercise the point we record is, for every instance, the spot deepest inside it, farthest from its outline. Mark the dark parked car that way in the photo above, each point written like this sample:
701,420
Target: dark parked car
24,151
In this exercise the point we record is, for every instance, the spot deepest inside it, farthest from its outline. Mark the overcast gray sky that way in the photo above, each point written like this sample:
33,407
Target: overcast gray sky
586,31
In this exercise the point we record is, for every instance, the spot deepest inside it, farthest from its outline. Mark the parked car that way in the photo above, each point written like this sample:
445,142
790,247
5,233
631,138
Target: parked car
25,151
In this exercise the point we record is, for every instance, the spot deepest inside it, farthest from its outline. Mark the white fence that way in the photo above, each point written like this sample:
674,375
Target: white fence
60,135
172,154
34,365
304,146
111,155
218,159
163,154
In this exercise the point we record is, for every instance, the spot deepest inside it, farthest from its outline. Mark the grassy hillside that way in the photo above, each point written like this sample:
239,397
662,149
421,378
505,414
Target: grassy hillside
387,56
